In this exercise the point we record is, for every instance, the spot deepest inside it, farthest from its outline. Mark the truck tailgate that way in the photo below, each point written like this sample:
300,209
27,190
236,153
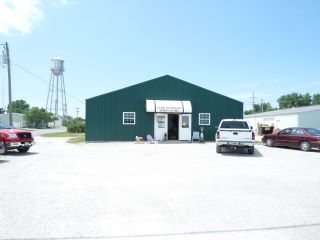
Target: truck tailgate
235,135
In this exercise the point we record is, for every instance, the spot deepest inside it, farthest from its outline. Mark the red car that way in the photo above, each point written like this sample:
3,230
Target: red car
13,139
296,137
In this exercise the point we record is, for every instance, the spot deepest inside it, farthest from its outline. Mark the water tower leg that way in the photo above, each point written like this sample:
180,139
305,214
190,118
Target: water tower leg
63,95
50,93
56,106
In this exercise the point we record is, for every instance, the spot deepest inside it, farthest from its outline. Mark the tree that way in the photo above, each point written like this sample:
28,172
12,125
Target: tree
38,115
2,111
294,100
258,108
20,106
266,107
76,125
306,100
316,99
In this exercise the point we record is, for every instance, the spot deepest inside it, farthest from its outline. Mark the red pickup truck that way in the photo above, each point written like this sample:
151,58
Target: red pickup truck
1,146
13,138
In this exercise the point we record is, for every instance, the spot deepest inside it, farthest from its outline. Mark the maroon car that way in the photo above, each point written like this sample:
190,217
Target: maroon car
296,137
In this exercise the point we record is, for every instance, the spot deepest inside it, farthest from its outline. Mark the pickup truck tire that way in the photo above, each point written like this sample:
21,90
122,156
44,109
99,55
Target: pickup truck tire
251,150
23,149
218,149
269,142
5,150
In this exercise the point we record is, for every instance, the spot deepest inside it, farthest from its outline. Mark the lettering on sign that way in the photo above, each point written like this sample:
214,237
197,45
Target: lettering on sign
168,109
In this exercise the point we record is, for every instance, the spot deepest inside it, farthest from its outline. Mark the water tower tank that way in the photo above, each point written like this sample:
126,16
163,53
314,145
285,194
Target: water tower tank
57,66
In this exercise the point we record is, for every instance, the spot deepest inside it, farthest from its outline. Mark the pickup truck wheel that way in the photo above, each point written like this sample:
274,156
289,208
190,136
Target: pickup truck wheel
269,142
305,146
23,149
251,150
5,150
218,149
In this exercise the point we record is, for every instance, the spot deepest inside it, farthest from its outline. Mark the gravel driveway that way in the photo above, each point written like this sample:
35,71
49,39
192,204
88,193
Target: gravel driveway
158,191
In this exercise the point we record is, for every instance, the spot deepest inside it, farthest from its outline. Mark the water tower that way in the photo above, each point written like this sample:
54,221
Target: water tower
56,99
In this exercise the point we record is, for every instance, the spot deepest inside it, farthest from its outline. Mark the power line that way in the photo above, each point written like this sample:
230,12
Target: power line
43,80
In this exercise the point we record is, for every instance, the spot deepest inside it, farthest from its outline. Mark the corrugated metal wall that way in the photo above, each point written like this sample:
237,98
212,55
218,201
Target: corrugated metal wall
309,119
104,112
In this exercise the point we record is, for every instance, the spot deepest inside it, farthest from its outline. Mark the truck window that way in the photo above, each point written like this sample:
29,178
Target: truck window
234,124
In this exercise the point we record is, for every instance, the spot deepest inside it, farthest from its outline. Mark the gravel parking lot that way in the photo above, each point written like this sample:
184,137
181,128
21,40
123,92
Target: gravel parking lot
158,191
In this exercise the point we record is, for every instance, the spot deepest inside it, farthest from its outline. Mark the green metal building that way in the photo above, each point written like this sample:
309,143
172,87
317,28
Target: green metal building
167,108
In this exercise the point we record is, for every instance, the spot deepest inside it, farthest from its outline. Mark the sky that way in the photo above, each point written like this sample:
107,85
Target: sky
249,50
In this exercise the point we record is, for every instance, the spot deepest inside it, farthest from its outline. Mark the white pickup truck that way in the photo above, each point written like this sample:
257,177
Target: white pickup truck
235,134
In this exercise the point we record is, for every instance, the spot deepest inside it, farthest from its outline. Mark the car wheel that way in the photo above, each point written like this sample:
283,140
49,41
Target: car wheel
305,146
218,149
251,150
23,149
269,142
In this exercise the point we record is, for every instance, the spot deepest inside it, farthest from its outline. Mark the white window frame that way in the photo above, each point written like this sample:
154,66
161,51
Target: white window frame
126,119
206,119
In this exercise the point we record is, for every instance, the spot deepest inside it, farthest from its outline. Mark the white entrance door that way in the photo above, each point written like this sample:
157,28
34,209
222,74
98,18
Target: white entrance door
185,127
160,126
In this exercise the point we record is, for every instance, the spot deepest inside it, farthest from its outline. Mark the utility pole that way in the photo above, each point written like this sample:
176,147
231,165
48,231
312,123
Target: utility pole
253,101
77,111
6,58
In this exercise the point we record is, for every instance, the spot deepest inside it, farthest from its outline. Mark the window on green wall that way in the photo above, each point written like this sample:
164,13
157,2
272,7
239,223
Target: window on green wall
129,118
204,118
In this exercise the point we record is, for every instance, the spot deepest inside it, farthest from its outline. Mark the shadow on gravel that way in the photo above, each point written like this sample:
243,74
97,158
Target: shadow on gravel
296,149
18,154
240,153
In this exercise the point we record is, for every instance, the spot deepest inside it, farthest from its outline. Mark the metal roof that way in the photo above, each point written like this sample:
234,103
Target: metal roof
286,111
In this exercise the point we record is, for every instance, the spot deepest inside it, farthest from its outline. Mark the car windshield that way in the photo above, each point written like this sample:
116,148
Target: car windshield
4,125
313,131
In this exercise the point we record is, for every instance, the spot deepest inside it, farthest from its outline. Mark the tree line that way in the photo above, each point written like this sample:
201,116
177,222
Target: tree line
40,115
33,115
286,101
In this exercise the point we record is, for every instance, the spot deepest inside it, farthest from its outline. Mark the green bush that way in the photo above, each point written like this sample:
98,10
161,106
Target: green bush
75,126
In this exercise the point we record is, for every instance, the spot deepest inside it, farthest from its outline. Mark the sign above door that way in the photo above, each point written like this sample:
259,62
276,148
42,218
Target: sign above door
168,106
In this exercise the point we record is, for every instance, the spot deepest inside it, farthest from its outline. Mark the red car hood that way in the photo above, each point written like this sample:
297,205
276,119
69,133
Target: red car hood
13,131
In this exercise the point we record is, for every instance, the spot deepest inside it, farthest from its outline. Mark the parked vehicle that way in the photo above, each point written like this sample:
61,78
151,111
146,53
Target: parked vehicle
12,138
296,137
2,150
235,134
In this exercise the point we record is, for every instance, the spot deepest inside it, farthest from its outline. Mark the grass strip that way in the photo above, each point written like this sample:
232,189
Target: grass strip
74,137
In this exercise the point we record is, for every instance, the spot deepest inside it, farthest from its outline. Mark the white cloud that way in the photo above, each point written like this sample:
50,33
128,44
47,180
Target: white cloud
23,15
65,2
19,15
59,3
